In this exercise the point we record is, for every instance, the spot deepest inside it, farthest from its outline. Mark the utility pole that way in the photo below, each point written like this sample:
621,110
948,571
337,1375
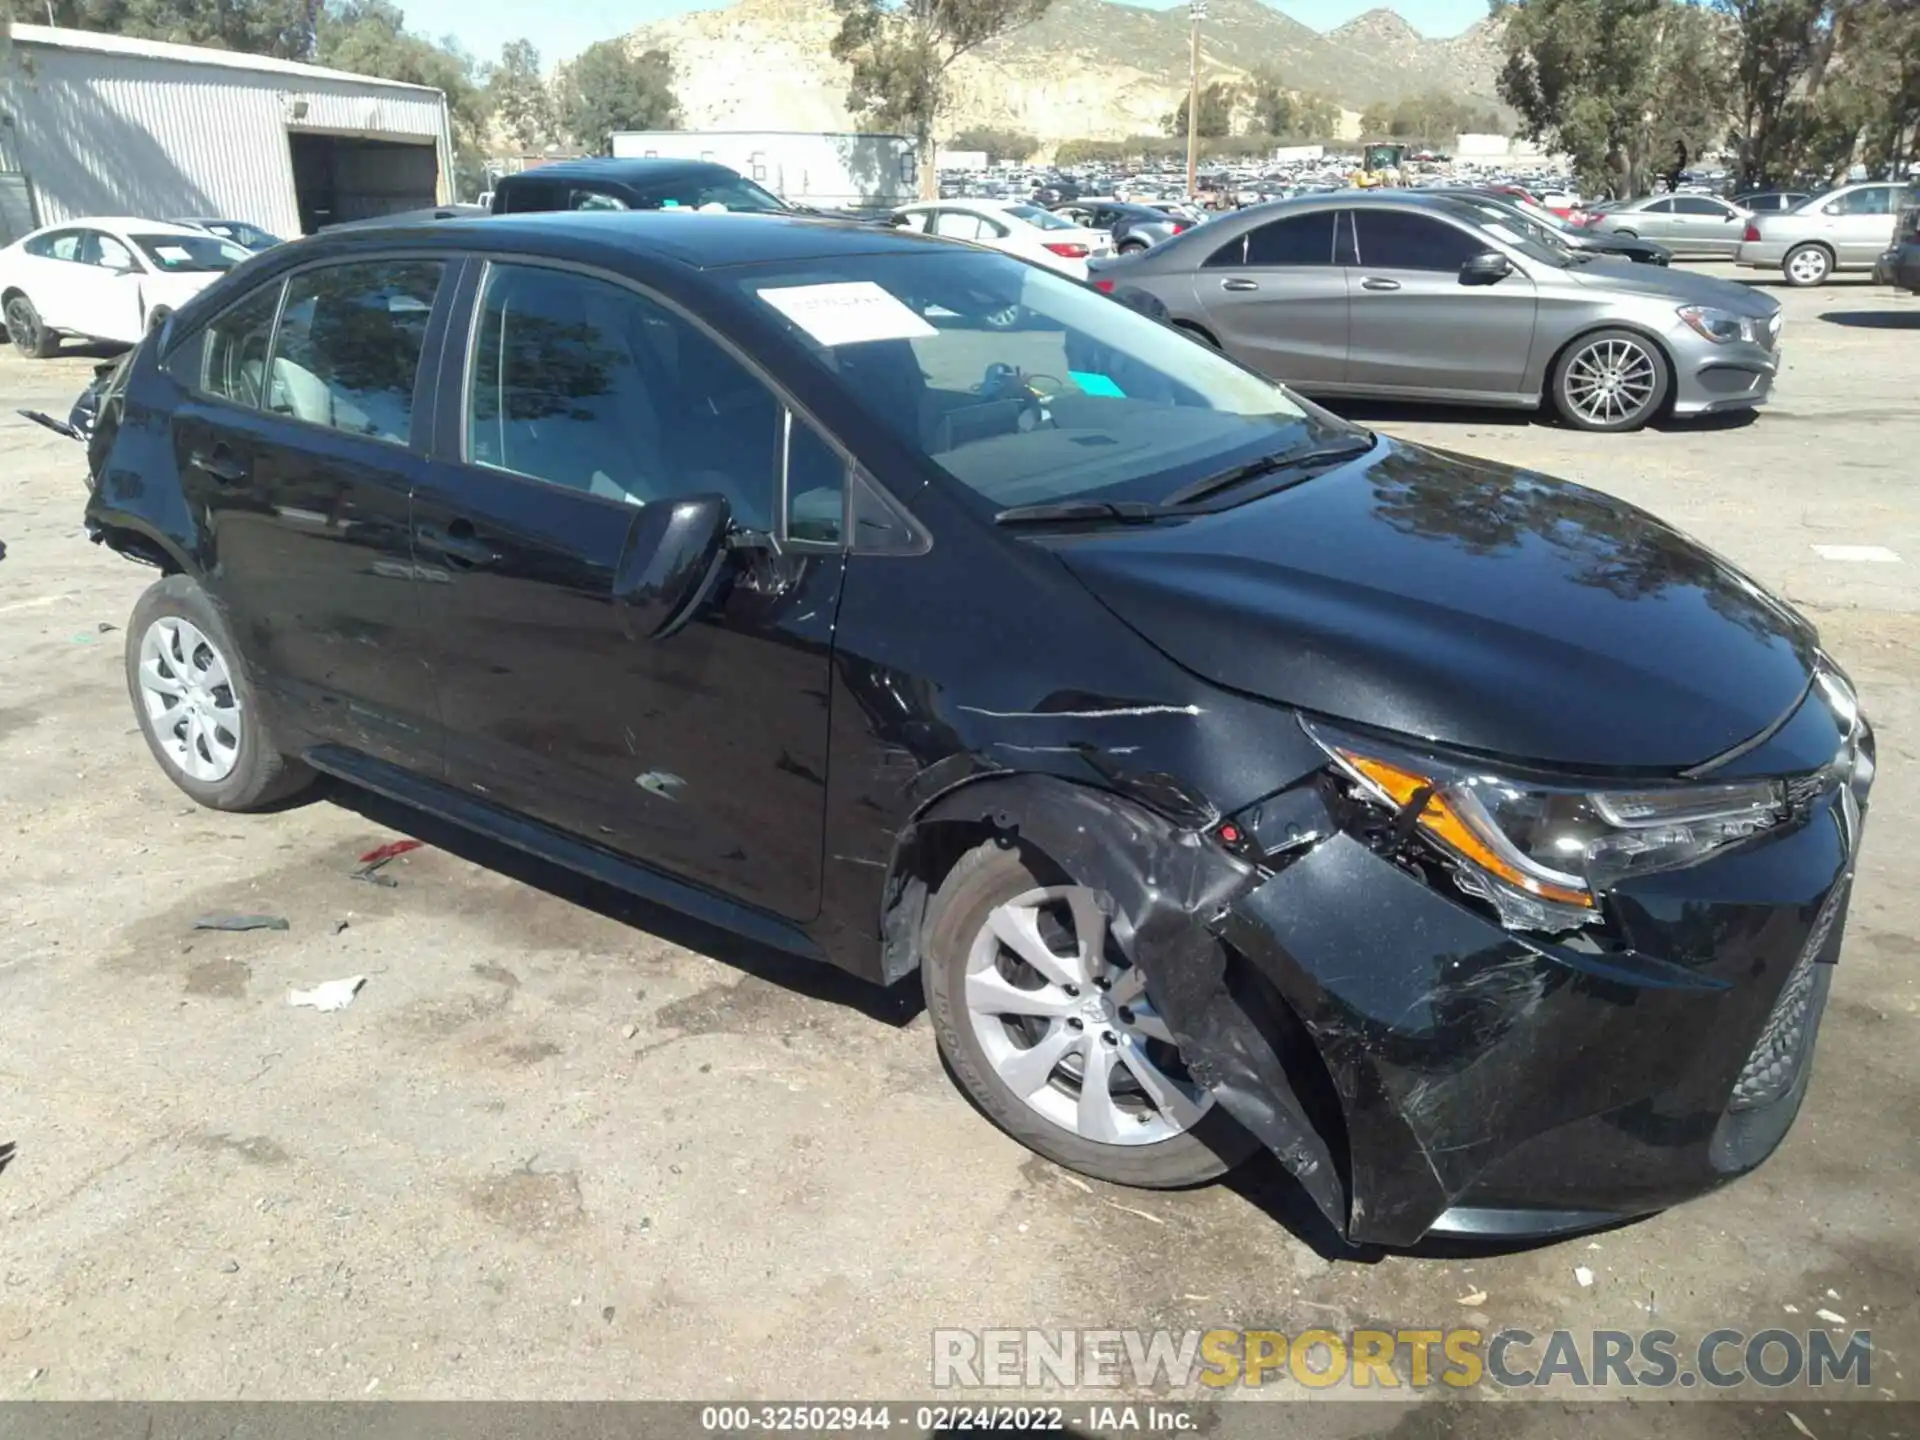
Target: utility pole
1196,12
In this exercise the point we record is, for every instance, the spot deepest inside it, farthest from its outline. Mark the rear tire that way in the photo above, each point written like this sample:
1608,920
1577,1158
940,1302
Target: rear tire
1807,265
32,339
196,704
996,886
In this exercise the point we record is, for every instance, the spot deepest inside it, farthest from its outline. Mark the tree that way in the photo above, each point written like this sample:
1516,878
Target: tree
1615,84
1315,116
999,145
901,53
1272,103
1376,119
283,28
608,89
1216,111
519,96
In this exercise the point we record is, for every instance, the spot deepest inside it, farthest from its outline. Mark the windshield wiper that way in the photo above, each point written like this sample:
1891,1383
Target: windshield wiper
1306,461
1124,512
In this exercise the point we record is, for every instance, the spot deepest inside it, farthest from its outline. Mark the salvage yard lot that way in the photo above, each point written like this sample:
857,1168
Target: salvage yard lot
563,1145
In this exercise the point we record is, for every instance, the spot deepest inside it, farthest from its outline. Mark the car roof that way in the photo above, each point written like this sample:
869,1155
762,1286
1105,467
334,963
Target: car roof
120,224
696,240
635,171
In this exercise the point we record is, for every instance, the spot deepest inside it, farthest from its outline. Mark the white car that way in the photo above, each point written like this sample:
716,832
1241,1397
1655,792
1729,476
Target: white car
1014,226
103,279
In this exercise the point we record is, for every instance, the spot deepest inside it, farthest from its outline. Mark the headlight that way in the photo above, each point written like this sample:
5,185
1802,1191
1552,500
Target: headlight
1543,854
1722,327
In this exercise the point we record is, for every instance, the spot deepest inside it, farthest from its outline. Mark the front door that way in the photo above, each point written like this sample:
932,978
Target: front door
1417,327
1862,225
702,753
1276,300
303,444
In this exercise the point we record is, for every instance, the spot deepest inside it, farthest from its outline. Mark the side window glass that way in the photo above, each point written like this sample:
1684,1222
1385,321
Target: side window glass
1396,240
957,225
229,359
1660,207
348,351
1234,252
594,200
1301,240
1875,201
916,222
816,486
593,388
67,246
113,255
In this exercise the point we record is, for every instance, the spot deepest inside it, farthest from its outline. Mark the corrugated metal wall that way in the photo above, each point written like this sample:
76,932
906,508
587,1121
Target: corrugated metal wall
101,134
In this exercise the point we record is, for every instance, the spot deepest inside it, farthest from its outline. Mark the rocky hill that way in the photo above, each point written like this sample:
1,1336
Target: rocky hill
1088,68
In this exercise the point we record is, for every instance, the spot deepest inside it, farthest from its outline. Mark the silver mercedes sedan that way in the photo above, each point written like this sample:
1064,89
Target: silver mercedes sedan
1405,296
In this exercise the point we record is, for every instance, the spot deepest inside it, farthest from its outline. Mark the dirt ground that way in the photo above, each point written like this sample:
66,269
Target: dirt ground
565,1146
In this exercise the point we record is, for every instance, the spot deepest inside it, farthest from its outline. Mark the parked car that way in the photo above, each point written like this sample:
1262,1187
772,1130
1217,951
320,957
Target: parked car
1845,229
1131,227
642,184
1771,202
1691,226
1029,231
1538,220
1410,296
247,237
1900,265
1230,775
104,279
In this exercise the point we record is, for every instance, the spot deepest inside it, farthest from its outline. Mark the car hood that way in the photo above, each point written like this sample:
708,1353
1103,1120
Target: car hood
1470,603
1686,287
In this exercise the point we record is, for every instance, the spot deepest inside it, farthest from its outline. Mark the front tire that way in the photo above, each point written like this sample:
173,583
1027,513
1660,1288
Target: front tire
1611,381
1807,265
196,704
31,338
1053,1034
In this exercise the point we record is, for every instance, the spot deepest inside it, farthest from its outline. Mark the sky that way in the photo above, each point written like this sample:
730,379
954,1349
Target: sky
563,30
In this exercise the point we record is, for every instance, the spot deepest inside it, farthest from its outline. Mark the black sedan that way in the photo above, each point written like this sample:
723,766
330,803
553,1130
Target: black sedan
1230,775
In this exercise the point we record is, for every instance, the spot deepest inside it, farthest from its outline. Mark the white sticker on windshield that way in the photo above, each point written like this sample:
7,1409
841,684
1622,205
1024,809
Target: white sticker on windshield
173,254
849,313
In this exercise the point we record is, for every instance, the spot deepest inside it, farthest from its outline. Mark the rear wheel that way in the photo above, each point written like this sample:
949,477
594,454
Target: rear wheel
196,704
1055,1035
1807,265
1611,380
29,336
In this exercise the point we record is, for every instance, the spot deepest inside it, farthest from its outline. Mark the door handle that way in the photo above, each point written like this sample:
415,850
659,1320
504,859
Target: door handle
1239,284
1375,282
457,544
221,463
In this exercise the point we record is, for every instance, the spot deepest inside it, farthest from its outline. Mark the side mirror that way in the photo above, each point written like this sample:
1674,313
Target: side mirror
668,566
1830,209
1489,267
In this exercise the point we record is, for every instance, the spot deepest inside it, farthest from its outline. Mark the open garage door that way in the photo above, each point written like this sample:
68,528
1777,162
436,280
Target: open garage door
342,177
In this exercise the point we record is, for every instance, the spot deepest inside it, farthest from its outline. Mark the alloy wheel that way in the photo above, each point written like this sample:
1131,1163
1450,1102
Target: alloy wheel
1611,381
191,704
1070,1029
22,327
1807,266
1003,319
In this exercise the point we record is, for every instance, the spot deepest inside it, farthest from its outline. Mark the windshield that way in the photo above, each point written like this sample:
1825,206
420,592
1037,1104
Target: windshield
1024,386
183,254
738,194
1522,232
1040,219
252,237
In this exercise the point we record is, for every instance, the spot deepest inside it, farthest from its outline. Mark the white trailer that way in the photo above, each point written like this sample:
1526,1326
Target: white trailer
844,170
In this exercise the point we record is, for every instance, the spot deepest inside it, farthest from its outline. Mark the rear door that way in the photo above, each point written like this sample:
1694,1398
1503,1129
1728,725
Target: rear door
1655,221
1416,328
1711,227
111,299
300,432
575,402
1276,300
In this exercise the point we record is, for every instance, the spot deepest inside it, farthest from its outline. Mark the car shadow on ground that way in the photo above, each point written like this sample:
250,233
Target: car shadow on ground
1874,319
896,1005
1395,412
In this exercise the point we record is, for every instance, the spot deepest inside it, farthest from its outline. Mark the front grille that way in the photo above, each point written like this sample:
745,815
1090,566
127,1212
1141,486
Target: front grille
1780,1052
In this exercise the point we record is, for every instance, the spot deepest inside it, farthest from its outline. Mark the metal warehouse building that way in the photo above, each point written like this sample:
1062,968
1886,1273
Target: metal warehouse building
100,125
